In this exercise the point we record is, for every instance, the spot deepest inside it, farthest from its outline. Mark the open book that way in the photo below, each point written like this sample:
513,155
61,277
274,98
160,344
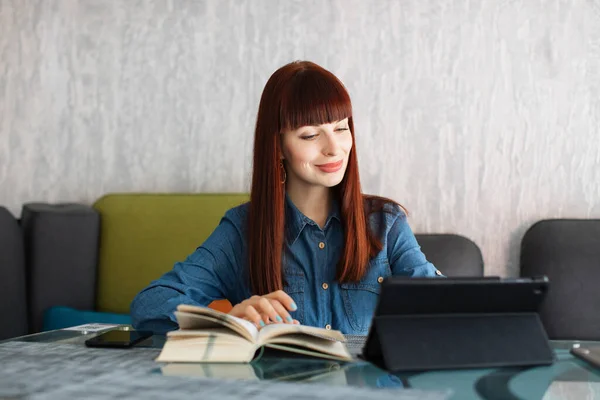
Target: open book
207,335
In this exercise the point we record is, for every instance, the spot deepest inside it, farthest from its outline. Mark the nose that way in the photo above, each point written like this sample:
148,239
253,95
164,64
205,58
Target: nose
331,144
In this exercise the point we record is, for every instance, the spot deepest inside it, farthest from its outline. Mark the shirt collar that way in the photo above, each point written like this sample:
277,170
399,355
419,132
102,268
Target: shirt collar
295,221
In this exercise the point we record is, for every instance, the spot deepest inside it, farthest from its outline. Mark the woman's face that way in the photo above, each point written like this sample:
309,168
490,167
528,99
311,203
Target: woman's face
317,155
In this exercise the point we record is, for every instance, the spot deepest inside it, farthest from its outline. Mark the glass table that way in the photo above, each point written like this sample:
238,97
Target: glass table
567,378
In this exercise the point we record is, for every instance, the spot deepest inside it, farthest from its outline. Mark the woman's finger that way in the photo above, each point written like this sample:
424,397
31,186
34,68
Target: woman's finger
284,299
281,311
264,304
254,317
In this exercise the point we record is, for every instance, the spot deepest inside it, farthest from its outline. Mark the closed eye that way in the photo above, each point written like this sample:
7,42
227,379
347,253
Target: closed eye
308,137
341,129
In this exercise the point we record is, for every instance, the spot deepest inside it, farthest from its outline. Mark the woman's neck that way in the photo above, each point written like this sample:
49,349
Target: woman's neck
314,202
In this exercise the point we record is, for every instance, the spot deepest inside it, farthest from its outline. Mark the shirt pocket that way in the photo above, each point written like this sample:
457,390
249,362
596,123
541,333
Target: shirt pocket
294,287
360,298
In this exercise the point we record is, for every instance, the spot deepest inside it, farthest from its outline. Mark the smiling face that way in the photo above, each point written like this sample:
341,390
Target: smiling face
317,155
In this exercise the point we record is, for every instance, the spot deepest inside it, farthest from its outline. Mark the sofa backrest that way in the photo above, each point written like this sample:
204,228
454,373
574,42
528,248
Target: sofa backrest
454,255
568,252
13,295
61,252
143,235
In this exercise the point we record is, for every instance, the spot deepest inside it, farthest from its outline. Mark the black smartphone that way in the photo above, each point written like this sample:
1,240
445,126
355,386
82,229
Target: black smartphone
589,354
118,339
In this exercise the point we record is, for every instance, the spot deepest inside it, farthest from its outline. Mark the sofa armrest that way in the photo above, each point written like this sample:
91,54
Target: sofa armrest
61,250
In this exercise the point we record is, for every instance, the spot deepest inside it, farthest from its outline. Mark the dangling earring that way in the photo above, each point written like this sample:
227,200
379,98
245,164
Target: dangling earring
282,169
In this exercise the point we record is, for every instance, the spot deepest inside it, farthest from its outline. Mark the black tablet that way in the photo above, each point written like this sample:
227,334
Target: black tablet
446,323
401,295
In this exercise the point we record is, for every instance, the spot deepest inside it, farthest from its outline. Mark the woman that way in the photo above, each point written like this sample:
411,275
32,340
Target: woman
309,247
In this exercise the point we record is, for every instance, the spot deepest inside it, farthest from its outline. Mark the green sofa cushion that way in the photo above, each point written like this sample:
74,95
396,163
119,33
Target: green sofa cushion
143,235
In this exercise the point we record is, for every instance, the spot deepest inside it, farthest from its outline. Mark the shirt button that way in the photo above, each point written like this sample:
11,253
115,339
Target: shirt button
380,279
438,273
325,286
328,327
321,245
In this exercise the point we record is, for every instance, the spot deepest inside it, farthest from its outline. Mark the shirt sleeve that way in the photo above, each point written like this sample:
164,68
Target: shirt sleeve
208,274
404,253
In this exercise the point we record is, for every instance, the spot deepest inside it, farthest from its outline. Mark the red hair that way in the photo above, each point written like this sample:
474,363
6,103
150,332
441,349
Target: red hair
298,94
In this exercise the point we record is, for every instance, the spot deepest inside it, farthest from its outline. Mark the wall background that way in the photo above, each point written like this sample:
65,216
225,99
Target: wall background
481,117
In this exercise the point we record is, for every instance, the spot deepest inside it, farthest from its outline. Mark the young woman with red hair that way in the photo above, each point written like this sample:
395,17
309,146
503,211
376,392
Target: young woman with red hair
309,247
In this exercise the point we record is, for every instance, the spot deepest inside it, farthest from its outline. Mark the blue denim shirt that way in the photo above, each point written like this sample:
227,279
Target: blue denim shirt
218,270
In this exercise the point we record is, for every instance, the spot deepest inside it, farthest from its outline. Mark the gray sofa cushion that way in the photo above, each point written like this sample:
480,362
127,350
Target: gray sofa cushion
568,252
13,299
61,245
453,255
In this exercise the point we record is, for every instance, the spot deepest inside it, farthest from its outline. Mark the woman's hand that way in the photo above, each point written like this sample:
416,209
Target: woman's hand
271,308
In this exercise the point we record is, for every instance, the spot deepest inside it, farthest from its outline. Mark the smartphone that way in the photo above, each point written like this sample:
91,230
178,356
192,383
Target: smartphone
589,354
118,339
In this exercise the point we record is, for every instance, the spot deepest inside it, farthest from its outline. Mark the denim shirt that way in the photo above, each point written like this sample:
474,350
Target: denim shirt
218,270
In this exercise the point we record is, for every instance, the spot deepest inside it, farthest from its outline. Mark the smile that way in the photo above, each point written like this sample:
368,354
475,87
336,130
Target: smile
331,167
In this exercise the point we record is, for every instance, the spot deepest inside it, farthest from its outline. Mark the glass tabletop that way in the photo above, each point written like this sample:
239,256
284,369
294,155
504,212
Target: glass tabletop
567,378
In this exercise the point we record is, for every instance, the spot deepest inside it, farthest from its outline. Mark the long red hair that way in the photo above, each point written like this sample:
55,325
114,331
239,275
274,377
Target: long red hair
298,94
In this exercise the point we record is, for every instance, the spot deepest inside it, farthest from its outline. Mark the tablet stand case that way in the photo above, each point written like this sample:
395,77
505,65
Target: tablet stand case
448,341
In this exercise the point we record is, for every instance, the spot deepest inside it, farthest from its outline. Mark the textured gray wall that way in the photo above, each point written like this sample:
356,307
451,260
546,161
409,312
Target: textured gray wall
481,117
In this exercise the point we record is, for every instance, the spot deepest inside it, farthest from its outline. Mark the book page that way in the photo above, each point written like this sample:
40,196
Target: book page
193,317
303,344
219,331
271,331
208,348
195,322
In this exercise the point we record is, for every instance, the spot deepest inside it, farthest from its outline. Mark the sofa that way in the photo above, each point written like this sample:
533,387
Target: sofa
86,263
13,300
567,251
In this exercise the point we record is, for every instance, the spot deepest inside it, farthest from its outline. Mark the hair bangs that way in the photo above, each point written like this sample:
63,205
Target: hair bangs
313,97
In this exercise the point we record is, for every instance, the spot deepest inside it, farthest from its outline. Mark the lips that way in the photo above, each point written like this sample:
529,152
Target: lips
331,167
